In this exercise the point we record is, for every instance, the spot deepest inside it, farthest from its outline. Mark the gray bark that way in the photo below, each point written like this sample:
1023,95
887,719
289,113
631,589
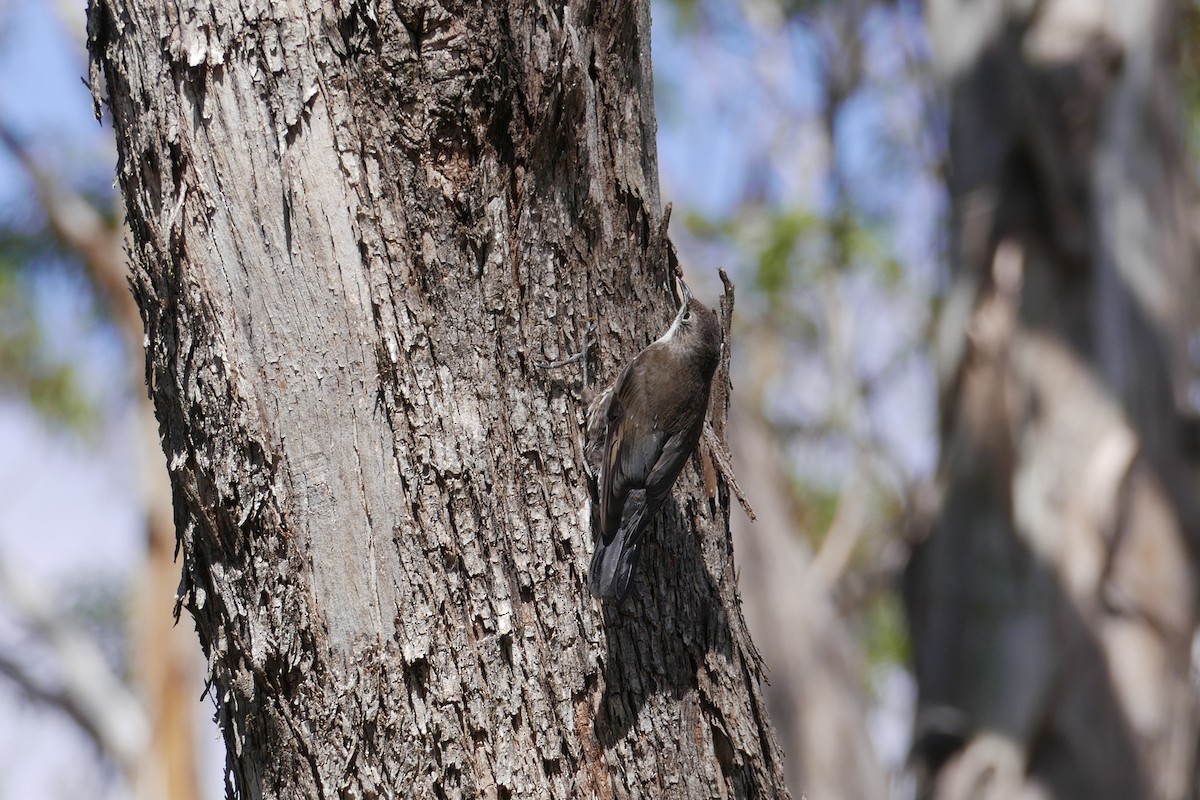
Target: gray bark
1053,603
357,229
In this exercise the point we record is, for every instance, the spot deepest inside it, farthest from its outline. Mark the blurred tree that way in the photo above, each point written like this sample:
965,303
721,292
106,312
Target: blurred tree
357,230
836,166
1053,600
145,720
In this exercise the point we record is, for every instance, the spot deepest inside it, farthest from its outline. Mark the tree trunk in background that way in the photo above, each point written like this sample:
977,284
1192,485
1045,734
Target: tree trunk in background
815,690
1053,602
358,230
163,659
166,661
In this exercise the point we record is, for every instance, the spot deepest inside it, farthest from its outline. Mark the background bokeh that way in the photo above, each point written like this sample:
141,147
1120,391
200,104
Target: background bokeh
803,144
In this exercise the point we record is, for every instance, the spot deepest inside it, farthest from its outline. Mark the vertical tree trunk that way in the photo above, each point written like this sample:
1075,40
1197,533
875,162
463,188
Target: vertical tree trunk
1053,603
358,229
815,693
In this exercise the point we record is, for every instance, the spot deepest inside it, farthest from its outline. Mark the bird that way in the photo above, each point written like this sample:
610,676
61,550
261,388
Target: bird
639,432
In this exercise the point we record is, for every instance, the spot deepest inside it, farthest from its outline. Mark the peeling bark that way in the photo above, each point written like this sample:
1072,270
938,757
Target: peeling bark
357,230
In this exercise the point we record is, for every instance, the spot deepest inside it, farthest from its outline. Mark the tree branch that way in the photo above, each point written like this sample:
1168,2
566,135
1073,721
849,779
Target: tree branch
91,693
83,230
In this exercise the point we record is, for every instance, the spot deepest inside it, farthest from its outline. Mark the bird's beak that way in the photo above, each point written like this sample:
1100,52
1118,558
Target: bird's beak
687,292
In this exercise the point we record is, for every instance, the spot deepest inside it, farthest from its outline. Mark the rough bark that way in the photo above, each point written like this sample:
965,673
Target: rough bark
357,231
1053,603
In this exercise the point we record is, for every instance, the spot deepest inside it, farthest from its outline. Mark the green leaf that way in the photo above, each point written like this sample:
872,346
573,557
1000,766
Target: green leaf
27,370
784,234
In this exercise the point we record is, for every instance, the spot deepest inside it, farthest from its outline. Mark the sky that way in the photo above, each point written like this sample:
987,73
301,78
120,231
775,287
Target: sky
740,116
68,509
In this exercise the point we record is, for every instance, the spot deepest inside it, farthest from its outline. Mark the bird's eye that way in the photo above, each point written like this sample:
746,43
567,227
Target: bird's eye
687,316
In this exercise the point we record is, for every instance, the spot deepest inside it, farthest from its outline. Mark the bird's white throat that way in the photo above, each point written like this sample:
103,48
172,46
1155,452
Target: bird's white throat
671,331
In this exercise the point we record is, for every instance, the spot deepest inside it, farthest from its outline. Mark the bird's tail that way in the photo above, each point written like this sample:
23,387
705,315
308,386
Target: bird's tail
615,561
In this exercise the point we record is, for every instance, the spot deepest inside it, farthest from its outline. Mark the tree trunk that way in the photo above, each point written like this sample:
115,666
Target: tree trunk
357,232
1053,603
815,694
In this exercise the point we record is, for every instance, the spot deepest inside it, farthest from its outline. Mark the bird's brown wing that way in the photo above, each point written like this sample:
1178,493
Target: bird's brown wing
641,471
632,448
673,455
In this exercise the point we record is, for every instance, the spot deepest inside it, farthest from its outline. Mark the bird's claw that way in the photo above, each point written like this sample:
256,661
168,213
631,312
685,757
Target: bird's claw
580,356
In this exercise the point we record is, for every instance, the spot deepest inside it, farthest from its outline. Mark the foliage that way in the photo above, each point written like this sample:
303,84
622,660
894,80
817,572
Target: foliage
39,270
1188,62
28,368
827,285
885,638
